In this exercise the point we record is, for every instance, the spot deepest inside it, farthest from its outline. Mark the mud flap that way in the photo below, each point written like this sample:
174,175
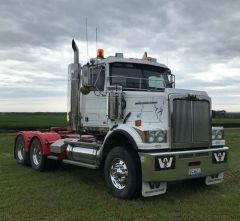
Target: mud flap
153,188
214,179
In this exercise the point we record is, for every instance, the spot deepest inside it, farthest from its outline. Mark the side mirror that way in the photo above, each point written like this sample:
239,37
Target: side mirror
171,79
86,76
85,89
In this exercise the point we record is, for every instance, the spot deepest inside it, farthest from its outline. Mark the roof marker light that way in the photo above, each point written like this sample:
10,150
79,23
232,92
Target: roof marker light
100,53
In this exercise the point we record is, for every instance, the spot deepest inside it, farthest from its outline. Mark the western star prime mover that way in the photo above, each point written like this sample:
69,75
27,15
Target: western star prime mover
126,116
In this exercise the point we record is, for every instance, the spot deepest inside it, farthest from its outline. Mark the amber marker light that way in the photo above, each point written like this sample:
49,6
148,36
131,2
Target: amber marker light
138,123
142,134
100,53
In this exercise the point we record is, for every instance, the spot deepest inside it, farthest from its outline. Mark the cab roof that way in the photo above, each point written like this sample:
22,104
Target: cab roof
112,59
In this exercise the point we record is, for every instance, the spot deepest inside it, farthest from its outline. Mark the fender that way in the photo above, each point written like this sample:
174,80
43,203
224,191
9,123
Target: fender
45,139
124,131
27,137
125,134
128,131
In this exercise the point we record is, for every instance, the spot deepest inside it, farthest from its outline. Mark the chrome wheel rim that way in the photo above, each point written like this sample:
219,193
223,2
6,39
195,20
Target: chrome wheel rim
20,150
119,173
37,154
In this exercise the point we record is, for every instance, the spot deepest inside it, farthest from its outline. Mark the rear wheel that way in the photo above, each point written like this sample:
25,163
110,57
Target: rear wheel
121,173
38,161
20,154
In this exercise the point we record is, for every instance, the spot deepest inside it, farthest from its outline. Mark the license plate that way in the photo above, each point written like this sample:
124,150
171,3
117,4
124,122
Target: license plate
194,171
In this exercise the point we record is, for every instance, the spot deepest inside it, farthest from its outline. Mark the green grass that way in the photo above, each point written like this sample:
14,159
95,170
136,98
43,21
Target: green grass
226,122
17,122
74,193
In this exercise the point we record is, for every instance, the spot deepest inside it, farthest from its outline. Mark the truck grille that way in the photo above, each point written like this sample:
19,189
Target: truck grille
191,123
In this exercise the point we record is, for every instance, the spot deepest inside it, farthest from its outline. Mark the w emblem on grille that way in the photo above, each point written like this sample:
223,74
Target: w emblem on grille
219,157
165,162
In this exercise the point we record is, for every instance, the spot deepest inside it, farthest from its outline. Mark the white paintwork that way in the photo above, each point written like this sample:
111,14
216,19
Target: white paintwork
128,129
152,108
94,110
112,59
154,113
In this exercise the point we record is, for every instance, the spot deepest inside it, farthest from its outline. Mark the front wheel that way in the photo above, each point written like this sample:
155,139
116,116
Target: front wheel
121,172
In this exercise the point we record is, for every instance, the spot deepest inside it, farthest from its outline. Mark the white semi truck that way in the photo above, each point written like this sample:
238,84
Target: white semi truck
126,117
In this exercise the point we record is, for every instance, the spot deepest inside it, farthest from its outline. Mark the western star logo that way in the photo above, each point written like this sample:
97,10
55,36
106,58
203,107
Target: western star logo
165,162
219,157
153,188
154,185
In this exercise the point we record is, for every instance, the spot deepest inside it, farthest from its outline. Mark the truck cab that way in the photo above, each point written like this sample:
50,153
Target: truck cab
126,116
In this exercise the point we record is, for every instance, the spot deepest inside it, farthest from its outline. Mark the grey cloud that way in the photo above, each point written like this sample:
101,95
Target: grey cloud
192,35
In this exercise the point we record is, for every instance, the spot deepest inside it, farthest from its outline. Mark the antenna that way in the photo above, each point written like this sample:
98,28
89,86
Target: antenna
87,37
97,43
166,58
96,39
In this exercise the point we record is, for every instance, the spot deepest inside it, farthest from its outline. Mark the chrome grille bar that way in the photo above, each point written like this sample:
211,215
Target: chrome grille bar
191,123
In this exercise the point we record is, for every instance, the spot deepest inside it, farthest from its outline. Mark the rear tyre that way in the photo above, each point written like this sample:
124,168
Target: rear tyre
20,154
38,161
121,172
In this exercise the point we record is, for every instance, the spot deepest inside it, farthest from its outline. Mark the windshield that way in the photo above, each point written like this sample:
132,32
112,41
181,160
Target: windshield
139,76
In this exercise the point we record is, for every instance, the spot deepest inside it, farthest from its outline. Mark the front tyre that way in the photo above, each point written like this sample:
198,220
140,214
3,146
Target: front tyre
38,161
121,173
19,151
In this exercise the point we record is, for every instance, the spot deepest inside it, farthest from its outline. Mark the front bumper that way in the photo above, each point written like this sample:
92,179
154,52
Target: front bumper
179,165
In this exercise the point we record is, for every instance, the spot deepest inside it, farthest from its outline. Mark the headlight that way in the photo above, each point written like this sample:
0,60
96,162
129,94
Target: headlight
153,136
159,136
150,136
217,133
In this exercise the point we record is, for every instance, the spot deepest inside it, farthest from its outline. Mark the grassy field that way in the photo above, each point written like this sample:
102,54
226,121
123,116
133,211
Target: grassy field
74,193
226,122
17,122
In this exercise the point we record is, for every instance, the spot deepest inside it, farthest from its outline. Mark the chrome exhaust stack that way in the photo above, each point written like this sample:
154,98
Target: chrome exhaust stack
76,52
74,83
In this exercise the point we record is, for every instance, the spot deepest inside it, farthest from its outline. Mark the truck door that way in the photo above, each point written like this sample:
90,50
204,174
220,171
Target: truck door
94,104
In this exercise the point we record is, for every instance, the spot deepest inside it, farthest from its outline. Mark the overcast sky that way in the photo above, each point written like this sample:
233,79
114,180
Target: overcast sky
198,40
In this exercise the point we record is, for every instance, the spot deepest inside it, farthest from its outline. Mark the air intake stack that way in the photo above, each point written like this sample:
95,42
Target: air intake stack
74,83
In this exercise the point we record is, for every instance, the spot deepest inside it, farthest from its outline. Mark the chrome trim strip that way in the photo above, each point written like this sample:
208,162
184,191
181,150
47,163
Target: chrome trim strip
188,152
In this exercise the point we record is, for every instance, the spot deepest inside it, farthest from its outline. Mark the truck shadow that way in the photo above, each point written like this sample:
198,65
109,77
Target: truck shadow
182,190
95,178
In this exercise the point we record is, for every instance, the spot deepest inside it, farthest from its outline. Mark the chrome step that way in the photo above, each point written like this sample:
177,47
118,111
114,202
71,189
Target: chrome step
81,164
76,163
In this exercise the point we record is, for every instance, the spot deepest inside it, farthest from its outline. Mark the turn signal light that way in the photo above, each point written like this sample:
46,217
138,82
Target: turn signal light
100,53
194,163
